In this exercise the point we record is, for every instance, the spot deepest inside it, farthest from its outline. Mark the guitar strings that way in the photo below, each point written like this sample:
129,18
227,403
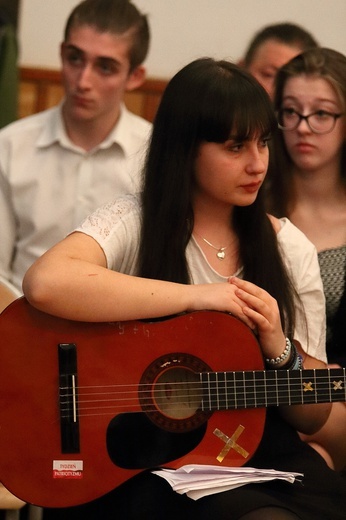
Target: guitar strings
224,395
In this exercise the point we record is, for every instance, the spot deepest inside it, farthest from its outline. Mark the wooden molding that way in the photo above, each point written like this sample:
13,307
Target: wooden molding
42,88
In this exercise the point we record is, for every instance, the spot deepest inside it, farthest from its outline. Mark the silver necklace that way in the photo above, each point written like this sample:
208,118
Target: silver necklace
220,250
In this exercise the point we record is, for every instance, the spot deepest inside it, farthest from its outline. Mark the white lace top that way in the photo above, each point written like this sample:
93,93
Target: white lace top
116,227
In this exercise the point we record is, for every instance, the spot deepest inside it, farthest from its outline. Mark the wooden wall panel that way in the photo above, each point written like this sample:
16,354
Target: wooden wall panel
41,88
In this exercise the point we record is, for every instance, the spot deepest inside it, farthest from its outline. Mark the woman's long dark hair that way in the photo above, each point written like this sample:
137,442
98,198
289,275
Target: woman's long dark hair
207,100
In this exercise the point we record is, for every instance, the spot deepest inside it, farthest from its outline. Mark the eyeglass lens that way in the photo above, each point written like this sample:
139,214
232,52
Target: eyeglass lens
318,122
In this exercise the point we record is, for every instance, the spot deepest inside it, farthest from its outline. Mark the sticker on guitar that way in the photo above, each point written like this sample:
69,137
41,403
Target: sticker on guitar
69,469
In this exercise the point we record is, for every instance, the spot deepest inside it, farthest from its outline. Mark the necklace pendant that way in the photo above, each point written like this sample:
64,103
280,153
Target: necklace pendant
221,253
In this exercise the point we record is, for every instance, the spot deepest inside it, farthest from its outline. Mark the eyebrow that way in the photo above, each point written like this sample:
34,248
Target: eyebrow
318,100
70,46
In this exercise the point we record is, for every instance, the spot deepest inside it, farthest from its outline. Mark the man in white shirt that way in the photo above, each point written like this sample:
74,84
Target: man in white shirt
56,167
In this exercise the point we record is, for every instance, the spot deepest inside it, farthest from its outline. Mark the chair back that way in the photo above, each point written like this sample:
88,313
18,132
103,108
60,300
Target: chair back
8,293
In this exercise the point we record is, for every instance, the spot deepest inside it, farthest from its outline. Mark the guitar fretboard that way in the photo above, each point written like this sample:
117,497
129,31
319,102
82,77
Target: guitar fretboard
264,388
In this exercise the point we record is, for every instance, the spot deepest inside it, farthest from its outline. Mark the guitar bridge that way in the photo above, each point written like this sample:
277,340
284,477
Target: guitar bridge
68,398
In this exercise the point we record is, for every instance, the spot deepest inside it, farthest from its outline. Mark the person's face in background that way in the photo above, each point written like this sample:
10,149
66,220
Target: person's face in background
268,59
310,151
96,74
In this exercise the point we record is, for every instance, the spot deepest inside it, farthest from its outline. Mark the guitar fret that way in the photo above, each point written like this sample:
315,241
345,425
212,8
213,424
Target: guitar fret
271,388
289,387
249,390
226,392
260,389
243,390
294,386
230,388
330,391
209,400
214,393
337,384
310,387
239,387
204,392
234,391
217,392
221,391
265,389
254,389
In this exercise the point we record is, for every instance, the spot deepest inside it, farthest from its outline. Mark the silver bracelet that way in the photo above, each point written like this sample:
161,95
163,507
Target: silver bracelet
298,363
284,355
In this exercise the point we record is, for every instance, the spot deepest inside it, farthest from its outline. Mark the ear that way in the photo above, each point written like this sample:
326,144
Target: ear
136,78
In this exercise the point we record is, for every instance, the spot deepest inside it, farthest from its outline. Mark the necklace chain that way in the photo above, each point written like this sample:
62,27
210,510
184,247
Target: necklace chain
220,250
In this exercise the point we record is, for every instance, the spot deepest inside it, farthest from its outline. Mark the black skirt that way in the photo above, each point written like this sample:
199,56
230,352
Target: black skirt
320,496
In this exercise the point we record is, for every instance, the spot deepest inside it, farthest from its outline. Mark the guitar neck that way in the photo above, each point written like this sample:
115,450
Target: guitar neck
265,388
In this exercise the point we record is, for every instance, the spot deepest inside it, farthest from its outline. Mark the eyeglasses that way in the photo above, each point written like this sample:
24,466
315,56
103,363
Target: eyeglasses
319,122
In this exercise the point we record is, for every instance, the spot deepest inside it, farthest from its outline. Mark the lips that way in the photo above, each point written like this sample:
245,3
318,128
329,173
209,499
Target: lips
304,147
80,101
252,187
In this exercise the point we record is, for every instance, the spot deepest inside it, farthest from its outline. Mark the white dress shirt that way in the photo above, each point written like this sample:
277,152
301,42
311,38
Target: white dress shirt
48,184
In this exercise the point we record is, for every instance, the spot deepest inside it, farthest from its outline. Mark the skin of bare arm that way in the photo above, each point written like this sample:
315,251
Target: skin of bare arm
77,266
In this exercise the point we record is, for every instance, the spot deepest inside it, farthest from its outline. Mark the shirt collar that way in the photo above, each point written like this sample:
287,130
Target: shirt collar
121,133
55,132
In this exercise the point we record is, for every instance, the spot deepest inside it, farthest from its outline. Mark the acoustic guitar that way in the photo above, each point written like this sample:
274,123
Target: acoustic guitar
86,406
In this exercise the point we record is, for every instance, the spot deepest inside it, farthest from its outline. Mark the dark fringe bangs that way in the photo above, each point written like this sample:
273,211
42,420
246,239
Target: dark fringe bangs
242,106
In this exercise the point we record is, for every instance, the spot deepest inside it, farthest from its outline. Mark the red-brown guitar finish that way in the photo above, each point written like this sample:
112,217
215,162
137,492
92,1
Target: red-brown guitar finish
142,395
108,354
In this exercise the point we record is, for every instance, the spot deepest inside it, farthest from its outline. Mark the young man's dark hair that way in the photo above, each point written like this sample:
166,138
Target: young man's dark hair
116,17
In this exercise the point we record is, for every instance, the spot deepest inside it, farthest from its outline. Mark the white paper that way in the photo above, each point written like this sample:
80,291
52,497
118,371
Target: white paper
197,480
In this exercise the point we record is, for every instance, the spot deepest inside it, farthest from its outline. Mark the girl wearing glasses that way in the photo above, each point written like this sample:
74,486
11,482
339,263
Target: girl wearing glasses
307,183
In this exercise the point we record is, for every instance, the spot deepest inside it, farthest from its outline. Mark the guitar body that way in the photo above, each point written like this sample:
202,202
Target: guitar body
123,413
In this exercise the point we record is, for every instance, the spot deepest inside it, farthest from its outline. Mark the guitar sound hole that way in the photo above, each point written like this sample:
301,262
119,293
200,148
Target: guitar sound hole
171,392
177,393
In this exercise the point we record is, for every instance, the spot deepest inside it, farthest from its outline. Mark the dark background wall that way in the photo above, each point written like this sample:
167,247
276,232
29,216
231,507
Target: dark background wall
9,11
